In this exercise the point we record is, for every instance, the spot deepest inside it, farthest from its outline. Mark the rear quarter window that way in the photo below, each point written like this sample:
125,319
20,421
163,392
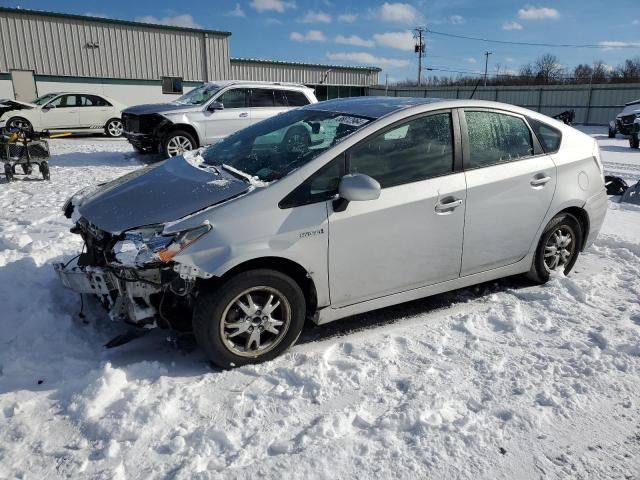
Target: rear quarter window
549,137
297,99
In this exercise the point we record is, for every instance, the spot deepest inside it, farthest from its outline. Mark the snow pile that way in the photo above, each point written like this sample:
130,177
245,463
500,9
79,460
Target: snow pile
500,380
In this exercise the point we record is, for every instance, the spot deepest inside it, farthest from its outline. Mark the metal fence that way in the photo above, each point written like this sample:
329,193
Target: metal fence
595,104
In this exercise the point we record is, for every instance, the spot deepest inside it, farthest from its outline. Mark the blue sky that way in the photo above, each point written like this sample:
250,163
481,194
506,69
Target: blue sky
378,33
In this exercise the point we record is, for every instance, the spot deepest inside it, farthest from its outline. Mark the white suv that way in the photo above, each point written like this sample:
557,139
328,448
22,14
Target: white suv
209,113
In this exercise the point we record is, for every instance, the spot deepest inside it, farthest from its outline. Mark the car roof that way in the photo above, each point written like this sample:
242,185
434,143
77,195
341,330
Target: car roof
226,83
377,107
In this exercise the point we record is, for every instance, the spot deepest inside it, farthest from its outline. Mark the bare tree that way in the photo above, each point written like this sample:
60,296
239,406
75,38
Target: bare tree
583,73
548,69
600,72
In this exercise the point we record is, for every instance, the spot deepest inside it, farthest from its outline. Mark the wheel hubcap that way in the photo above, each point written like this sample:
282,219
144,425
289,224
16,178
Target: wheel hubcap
559,249
115,128
255,322
178,145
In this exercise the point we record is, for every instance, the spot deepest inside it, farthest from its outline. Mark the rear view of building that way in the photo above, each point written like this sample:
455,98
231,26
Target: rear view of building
132,62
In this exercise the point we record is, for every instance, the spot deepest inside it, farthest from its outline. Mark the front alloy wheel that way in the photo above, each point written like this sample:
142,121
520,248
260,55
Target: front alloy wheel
252,317
256,321
178,143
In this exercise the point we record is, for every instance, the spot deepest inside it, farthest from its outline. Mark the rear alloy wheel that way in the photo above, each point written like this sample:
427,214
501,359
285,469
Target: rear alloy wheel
558,248
19,123
177,143
253,317
114,128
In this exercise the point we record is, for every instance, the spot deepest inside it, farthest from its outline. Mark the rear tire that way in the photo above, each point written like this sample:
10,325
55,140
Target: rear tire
44,170
227,319
178,142
558,248
113,128
612,132
634,140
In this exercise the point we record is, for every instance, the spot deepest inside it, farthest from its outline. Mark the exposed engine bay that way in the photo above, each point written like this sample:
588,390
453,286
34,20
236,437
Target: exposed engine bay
133,276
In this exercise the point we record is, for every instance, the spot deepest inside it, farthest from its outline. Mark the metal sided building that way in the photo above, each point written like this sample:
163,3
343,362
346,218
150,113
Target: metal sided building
134,63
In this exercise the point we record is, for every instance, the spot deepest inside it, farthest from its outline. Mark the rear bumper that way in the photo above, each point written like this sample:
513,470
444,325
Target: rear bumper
596,207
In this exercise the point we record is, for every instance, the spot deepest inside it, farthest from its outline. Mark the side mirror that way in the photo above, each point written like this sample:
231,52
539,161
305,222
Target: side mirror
356,188
213,106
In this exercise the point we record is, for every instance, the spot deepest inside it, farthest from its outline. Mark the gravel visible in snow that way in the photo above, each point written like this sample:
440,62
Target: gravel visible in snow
501,380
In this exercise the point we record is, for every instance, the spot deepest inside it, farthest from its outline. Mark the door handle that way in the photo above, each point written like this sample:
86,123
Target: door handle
539,181
448,205
243,115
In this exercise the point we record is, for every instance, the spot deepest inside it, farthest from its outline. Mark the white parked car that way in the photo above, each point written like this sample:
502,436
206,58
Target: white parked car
67,111
211,112
402,198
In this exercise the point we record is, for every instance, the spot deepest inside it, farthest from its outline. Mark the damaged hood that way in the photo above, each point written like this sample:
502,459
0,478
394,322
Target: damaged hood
160,193
172,107
7,105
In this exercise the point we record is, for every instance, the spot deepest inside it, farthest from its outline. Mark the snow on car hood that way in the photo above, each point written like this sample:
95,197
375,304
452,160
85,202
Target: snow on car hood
160,193
171,107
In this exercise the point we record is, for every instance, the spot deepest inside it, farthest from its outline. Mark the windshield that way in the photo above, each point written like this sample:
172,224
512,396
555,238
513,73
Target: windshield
200,95
44,98
273,148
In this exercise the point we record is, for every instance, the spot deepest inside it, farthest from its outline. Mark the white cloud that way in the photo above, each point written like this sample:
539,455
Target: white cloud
611,45
271,5
273,21
315,17
457,19
98,15
509,59
471,60
538,13
310,36
183,20
365,58
398,40
511,26
354,40
635,22
399,13
347,18
236,12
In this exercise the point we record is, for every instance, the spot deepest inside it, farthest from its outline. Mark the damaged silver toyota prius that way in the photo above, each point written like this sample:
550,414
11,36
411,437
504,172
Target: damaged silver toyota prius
335,209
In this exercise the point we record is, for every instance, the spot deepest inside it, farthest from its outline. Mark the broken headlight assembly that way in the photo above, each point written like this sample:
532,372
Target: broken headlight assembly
148,246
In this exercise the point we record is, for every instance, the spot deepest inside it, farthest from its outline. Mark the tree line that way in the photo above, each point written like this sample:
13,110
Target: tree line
545,70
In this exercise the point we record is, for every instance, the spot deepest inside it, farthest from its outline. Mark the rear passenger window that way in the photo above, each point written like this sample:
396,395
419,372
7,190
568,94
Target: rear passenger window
280,98
235,98
261,97
297,99
548,136
496,138
415,150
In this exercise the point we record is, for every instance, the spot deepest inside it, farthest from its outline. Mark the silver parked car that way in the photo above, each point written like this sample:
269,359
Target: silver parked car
393,199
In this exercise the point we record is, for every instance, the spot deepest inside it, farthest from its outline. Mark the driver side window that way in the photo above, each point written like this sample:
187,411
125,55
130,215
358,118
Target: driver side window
236,98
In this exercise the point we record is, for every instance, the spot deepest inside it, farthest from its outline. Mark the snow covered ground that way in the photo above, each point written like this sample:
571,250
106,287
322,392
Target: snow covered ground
503,380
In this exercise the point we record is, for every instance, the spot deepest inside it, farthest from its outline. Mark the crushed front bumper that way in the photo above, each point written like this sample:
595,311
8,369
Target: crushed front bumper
127,298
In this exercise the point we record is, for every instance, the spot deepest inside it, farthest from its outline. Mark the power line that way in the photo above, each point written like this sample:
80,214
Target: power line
532,44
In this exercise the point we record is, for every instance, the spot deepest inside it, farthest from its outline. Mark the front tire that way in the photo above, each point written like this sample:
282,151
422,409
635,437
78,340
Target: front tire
178,142
19,123
253,317
114,128
558,248
634,140
612,132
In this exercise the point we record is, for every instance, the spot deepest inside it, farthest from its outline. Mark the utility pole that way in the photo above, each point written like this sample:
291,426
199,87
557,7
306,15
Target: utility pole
419,49
486,64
